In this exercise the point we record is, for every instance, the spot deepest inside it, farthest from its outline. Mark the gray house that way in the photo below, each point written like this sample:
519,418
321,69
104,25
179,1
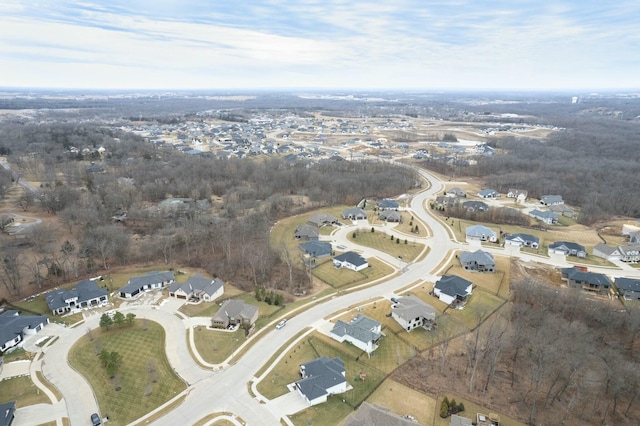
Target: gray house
568,249
322,219
477,261
320,378
475,206
317,249
548,217
588,281
411,312
452,288
199,288
629,288
456,192
488,193
306,232
235,312
354,213
391,216
387,204
362,332
148,282
86,294
13,328
551,200
481,233
7,413
522,240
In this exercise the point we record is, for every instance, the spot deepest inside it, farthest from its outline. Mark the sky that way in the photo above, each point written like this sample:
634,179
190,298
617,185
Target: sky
320,44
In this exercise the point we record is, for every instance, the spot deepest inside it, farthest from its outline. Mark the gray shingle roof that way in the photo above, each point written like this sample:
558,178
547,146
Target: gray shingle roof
628,284
409,307
197,283
592,278
85,290
233,309
136,283
12,324
479,256
317,248
319,375
453,285
351,257
479,231
360,328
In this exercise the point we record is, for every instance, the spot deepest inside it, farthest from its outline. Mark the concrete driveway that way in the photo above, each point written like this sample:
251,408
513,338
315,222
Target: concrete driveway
289,403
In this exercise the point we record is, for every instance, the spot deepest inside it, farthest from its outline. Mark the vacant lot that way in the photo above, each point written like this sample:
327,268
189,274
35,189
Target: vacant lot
214,346
22,391
144,381
402,400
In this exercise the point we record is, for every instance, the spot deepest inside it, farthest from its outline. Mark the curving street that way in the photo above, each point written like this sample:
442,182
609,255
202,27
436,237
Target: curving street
225,390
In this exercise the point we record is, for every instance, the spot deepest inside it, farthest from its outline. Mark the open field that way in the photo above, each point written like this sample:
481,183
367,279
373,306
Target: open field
381,241
142,350
339,278
23,391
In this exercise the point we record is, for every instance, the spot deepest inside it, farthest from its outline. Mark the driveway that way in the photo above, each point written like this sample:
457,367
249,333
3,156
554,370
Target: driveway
289,403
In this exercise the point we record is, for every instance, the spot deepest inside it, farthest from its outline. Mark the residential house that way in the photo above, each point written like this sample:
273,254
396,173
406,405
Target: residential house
477,261
411,312
322,219
488,193
377,415
14,327
634,237
86,294
350,260
306,232
199,288
144,283
452,288
547,217
481,233
519,194
446,201
475,206
551,200
568,249
563,210
629,288
387,204
320,378
629,253
317,249
354,213
362,332
456,192
457,420
391,216
7,413
235,312
522,240
589,281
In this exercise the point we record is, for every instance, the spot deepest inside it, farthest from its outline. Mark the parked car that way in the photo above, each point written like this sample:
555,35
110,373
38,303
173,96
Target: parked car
394,300
96,420
281,324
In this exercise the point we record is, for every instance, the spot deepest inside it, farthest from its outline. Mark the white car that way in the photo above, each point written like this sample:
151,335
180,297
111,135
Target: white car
281,324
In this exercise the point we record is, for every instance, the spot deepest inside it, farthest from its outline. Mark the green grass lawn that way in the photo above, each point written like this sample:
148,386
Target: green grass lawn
381,241
331,413
214,346
23,391
139,349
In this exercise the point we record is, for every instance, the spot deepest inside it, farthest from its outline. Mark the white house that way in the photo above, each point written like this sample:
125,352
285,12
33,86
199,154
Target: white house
519,194
522,240
547,217
481,233
350,260
86,294
144,283
411,312
198,287
13,328
320,378
361,331
452,288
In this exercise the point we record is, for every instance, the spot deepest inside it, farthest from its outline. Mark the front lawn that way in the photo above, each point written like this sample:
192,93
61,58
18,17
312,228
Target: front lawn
331,413
382,242
402,400
496,283
23,391
145,379
214,346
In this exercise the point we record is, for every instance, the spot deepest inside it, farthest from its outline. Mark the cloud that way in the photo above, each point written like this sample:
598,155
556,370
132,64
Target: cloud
309,43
